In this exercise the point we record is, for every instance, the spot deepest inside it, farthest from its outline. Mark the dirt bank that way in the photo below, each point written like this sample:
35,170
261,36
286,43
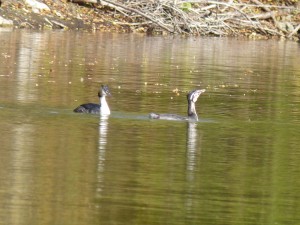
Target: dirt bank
253,18
62,15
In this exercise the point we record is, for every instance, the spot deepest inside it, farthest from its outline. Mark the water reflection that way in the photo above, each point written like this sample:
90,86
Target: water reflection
28,65
191,156
169,173
192,137
21,171
103,129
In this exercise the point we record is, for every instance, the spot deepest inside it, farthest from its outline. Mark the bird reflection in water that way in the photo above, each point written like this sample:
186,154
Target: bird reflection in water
103,128
191,158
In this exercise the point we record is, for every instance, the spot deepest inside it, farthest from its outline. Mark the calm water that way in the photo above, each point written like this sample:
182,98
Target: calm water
238,165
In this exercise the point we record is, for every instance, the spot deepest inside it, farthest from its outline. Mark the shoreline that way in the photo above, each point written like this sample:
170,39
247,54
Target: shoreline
114,16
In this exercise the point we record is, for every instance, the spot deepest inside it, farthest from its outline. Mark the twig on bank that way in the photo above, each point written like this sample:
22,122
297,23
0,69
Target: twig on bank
203,16
142,14
294,31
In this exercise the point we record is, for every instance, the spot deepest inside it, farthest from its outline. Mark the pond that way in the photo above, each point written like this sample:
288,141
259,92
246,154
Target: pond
238,165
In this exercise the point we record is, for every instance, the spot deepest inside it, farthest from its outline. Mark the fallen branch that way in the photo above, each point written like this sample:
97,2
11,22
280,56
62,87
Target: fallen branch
202,17
142,14
272,14
59,24
236,4
295,31
258,3
263,16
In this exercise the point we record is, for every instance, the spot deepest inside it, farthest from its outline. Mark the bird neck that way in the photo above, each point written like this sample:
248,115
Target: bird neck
104,109
192,114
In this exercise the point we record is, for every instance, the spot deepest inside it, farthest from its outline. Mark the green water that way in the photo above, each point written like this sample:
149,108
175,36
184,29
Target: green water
238,165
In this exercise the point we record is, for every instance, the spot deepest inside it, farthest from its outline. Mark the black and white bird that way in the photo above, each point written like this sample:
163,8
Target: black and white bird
93,108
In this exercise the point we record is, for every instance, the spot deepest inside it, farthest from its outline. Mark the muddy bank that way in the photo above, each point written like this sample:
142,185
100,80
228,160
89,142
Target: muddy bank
253,18
59,15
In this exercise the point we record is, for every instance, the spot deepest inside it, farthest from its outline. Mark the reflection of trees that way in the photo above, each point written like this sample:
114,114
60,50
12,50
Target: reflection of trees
56,62
59,157
28,60
19,173
46,168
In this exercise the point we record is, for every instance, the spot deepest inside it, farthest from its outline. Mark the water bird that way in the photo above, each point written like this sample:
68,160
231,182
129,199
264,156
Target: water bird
192,98
93,108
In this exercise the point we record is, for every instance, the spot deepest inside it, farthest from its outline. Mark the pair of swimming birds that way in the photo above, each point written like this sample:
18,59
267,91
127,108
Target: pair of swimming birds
103,108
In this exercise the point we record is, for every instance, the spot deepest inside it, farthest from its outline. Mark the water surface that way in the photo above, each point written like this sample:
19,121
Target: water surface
238,165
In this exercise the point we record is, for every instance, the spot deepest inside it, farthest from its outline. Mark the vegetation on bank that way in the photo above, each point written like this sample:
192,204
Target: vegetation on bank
251,18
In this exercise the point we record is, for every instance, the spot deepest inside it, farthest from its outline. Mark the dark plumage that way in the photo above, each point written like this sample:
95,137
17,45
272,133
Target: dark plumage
93,108
192,98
